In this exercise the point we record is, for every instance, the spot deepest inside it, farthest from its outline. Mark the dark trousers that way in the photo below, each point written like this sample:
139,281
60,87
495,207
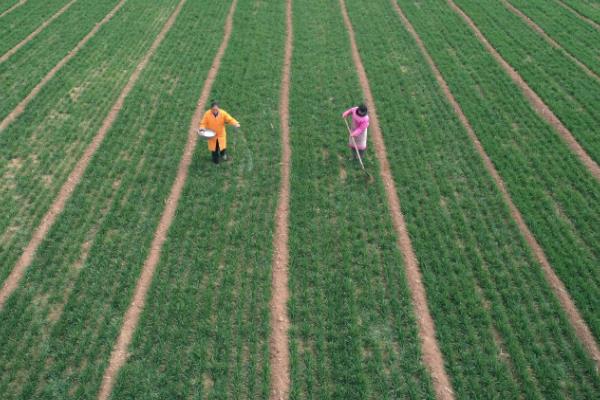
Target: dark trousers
361,152
218,153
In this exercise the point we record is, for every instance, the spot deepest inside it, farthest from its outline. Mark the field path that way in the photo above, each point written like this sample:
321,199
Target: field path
132,316
432,356
33,34
546,37
14,114
12,8
280,323
579,15
536,102
58,205
581,328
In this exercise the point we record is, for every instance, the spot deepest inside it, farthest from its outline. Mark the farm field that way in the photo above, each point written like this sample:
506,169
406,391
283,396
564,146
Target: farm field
465,265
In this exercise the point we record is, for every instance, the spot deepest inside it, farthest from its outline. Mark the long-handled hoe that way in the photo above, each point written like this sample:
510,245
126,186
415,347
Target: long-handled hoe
356,149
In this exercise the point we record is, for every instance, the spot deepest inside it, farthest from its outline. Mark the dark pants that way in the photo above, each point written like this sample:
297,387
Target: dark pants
361,152
217,153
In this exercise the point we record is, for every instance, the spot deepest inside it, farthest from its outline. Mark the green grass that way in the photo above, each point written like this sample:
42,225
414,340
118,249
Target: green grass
569,92
18,24
57,330
492,306
40,149
353,333
558,197
577,36
24,70
205,330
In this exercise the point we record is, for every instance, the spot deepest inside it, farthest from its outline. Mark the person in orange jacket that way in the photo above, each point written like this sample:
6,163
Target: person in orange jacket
215,119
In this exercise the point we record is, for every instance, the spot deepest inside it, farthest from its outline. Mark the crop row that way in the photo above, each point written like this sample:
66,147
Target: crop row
571,94
500,327
205,329
353,332
39,150
22,71
24,20
556,195
57,330
574,34
7,5
587,8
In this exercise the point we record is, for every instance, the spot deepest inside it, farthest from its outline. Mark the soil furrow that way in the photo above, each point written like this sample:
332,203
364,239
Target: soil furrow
432,356
548,39
132,316
33,34
536,102
11,9
581,329
280,323
14,114
58,205
579,15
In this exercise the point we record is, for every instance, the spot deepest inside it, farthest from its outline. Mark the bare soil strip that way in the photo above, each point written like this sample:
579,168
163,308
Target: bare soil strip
12,282
19,4
280,323
14,114
432,356
548,39
581,329
132,316
536,102
580,16
33,34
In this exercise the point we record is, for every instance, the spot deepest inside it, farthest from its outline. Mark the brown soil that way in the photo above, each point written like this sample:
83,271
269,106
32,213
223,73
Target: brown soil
547,38
560,291
536,102
33,34
69,186
120,351
14,114
582,17
11,9
279,353
432,357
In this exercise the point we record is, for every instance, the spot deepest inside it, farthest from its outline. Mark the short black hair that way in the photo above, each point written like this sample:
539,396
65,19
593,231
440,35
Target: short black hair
362,110
214,103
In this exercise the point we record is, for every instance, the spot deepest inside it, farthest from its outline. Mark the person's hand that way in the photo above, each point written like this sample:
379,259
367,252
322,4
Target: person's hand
237,126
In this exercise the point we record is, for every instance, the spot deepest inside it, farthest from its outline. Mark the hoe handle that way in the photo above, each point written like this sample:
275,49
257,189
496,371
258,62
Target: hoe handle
355,146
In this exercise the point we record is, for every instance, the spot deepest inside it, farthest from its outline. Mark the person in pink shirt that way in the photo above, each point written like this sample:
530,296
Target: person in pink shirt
360,123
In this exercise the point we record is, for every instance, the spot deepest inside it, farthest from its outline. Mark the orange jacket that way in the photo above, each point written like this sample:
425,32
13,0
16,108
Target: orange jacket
217,125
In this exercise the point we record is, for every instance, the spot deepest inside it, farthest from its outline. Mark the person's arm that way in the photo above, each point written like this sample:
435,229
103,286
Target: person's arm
229,120
360,127
348,112
203,122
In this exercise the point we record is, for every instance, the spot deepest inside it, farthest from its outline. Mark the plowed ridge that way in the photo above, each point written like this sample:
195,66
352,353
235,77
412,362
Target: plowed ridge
58,205
132,316
12,8
33,34
23,104
280,323
581,329
548,39
432,356
536,102
579,15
